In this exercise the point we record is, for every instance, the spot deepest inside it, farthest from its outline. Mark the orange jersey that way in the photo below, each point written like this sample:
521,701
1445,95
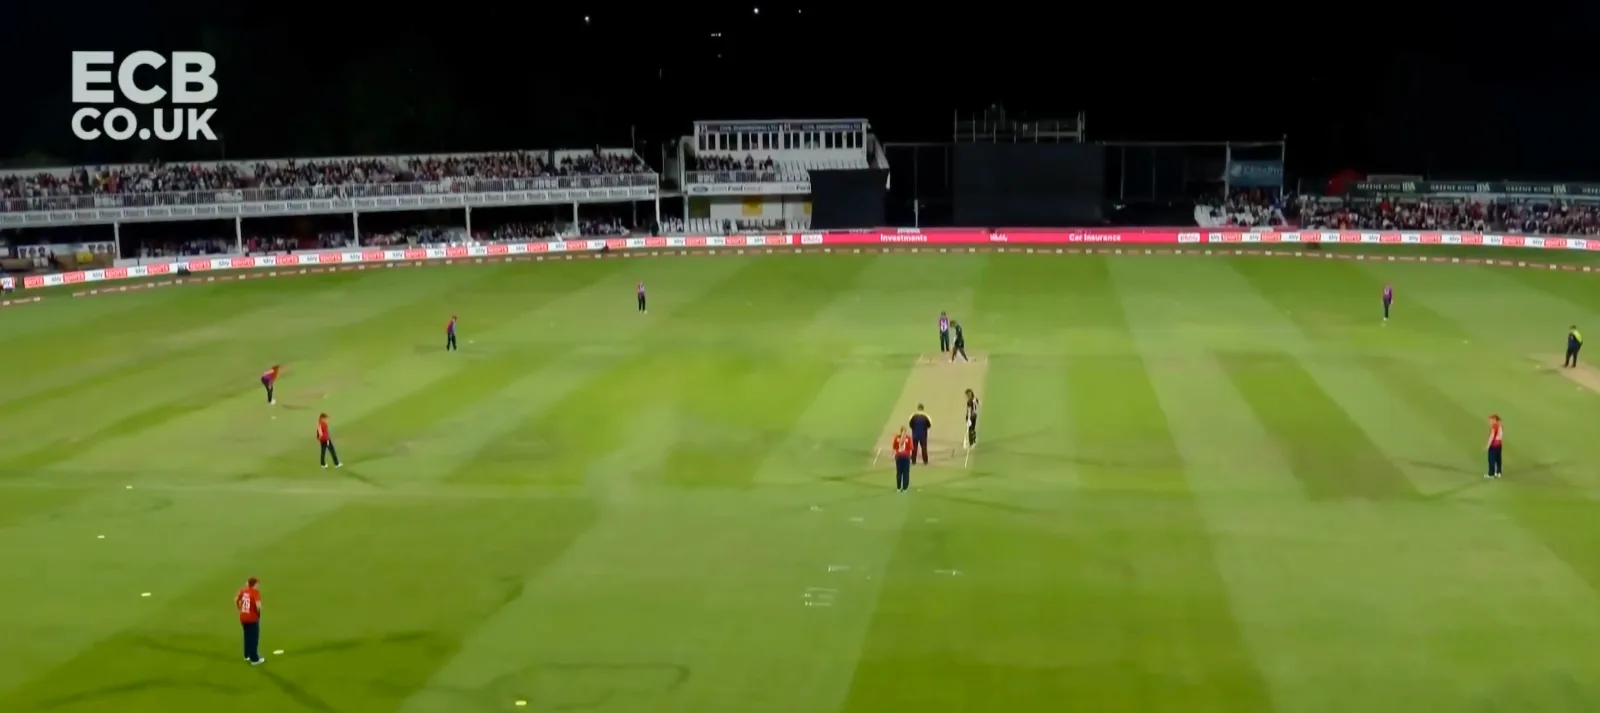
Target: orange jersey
322,431
248,603
902,446
1496,432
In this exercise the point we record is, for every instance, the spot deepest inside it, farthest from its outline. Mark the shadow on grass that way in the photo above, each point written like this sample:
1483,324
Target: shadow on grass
1536,474
873,490
540,683
351,474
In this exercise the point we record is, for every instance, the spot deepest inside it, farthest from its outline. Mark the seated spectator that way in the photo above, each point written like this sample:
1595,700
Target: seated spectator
1383,214
18,190
671,226
1252,208
1545,217
1247,208
729,163
1504,214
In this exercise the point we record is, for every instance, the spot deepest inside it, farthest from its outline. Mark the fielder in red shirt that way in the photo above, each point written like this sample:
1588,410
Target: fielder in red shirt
903,449
248,603
269,381
1496,432
325,440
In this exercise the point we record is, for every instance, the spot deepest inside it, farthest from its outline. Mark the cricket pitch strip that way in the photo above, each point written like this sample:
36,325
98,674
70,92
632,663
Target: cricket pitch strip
1583,375
939,386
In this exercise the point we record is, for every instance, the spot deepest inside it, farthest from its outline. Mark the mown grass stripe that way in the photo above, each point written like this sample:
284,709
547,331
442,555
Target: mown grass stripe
1328,452
325,576
738,409
603,384
1559,514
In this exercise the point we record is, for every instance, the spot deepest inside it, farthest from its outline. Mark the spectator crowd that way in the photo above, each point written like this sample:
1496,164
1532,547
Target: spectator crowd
1507,214
400,237
729,163
166,178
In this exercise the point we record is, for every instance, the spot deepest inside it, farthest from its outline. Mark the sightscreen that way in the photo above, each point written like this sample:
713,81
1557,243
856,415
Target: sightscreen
848,198
1029,185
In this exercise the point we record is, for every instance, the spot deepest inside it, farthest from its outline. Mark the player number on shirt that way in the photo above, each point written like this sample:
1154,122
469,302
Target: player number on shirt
244,604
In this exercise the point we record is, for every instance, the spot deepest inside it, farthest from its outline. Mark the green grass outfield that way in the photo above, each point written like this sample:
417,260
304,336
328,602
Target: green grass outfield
1207,484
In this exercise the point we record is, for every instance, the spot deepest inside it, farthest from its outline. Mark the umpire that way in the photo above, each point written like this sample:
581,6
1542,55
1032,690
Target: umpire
1574,345
920,424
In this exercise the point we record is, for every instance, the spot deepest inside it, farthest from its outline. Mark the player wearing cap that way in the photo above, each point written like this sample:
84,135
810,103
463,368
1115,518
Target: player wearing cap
920,425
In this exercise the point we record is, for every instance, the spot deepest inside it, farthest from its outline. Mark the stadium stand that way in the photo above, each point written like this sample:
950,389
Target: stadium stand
756,175
157,210
1245,207
736,176
1486,212
167,184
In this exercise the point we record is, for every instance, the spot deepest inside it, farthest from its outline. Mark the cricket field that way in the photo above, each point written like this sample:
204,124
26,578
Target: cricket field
1205,484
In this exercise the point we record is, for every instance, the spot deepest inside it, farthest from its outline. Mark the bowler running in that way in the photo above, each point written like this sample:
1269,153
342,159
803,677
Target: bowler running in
269,381
960,346
1496,432
1574,345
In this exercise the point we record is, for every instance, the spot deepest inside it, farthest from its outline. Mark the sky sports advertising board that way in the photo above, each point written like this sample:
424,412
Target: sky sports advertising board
907,236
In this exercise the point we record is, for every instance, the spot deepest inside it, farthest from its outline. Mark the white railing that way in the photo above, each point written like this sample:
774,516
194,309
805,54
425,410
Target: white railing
345,191
736,177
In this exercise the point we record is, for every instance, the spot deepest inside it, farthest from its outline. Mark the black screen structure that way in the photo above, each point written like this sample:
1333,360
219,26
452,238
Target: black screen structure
854,198
1029,185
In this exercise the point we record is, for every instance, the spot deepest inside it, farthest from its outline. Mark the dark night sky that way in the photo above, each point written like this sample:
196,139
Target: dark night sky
1450,91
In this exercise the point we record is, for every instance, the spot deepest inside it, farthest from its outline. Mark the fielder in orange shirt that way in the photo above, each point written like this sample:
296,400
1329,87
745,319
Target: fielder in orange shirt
903,449
325,441
269,381
248,603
